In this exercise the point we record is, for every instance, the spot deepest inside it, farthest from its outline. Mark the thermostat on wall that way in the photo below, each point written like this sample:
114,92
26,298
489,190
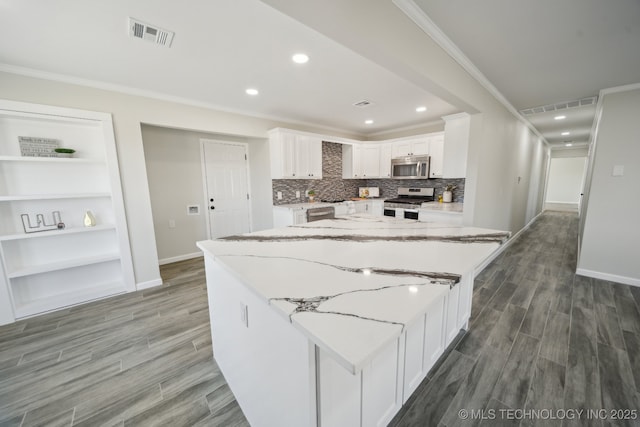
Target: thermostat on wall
193,210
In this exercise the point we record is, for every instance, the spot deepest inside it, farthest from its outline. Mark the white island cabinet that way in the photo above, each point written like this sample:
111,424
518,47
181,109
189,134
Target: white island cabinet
337,322
44,267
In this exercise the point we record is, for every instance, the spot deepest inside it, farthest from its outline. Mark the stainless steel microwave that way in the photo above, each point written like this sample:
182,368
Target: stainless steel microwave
410,167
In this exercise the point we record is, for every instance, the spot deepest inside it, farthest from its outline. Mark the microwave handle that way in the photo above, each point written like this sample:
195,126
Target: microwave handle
418,169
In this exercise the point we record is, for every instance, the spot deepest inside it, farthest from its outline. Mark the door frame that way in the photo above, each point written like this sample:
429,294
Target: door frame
203,165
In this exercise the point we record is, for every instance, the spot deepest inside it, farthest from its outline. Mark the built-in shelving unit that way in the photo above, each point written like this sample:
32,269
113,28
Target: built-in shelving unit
48,270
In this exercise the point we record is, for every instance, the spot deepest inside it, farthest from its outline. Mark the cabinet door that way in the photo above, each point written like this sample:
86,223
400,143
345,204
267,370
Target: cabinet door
402,148
308,157
315,158
370,161
357,161
420,147
288,155
382,382
436,152
385,161
299,217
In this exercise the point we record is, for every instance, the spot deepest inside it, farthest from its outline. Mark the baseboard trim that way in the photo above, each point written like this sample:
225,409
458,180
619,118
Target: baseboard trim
504,246
610,277
180,258
148,284
561,206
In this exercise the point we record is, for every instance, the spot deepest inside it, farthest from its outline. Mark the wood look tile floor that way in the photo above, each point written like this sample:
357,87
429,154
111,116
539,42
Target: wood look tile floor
540,337
140,359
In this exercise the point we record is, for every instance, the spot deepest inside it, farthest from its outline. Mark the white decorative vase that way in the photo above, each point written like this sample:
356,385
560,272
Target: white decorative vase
89,219
447,196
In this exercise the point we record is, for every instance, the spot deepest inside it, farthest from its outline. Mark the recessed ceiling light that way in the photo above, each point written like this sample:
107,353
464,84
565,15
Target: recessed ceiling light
300,58
252,91
568,144
559,117
421,109
368,122
565,133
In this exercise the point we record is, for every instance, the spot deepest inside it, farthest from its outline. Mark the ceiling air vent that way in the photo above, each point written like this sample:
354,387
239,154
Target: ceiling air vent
560,106
363,103
150,33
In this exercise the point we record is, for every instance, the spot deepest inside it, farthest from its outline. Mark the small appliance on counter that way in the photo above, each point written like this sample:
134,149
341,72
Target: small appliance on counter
367,192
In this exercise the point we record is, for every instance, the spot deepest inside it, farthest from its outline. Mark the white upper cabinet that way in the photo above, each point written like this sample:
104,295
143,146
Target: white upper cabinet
294,155
436,154
370,161
456,142
417,146
360,161
385,160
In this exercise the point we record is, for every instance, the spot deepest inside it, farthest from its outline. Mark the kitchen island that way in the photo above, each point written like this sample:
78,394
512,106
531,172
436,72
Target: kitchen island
336,322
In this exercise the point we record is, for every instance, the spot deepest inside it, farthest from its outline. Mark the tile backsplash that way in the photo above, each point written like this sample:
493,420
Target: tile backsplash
333,187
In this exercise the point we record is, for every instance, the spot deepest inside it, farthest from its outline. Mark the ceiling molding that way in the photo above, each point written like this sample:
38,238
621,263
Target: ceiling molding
625,88
127,90
422,20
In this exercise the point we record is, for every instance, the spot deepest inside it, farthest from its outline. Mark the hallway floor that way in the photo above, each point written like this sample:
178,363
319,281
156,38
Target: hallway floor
540,337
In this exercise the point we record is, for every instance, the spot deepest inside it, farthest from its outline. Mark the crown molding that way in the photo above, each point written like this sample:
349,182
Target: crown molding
127,90
617,89
422,20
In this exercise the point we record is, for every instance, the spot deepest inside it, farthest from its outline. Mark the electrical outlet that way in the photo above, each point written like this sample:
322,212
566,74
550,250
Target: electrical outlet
297,194
172,223
279,195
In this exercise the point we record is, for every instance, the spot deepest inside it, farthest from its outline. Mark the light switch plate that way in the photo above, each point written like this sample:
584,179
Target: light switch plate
618,170
297,194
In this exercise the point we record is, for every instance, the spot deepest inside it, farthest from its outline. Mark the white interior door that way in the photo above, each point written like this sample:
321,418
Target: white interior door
226,187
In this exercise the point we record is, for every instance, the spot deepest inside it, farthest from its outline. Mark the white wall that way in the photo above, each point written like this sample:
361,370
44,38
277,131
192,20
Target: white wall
565,182
611,239
174,172
172,159
128,112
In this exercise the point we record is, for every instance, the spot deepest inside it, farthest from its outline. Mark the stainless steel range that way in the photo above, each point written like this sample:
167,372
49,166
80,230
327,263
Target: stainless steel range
408,202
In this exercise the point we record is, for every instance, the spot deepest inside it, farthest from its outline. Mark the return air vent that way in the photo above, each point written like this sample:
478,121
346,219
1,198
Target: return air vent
363,103
560,106
150,33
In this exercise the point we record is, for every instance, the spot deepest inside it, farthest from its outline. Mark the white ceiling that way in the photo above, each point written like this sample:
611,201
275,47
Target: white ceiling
545,52
535,53
220,48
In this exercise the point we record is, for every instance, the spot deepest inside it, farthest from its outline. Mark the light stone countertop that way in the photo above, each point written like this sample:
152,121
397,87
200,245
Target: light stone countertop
353,283
443,207
308,205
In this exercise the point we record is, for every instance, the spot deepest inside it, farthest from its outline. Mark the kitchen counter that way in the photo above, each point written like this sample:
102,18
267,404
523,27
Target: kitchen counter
443,207
353,289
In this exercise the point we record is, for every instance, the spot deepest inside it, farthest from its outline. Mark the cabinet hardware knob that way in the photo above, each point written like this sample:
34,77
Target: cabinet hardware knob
211,199
213,207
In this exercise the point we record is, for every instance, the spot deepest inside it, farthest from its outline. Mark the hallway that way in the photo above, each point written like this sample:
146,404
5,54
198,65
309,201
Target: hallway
540,338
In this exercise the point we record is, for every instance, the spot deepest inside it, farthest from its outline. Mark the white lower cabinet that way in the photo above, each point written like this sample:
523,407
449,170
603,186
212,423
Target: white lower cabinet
305,385
424,344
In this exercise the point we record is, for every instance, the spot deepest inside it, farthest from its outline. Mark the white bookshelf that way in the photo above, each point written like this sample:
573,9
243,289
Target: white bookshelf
48,270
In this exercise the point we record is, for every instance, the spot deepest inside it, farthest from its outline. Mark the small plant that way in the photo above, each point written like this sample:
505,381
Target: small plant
311,193
64,150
